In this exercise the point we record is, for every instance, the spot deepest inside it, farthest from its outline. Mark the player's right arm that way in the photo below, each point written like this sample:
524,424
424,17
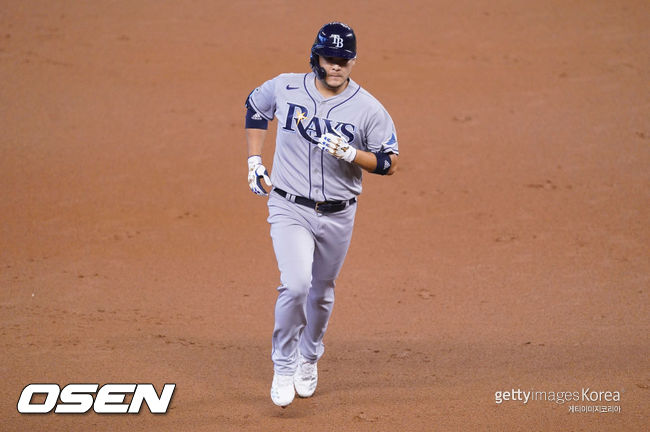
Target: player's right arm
255,141
255,136
260,109
256,127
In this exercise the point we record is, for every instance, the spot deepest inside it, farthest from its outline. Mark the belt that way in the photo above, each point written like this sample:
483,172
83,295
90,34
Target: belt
319,206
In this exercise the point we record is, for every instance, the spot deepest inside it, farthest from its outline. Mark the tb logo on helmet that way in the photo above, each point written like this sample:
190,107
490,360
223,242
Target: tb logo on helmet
334,39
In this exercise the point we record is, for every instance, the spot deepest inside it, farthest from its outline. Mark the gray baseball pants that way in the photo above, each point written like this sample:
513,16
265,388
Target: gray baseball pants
310,248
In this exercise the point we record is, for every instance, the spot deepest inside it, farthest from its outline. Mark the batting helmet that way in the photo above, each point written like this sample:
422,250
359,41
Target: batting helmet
334,39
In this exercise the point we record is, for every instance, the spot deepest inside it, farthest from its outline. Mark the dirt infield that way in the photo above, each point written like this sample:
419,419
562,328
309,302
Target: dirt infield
131,249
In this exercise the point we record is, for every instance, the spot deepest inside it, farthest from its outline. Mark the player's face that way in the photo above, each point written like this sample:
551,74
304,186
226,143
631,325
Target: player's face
338,70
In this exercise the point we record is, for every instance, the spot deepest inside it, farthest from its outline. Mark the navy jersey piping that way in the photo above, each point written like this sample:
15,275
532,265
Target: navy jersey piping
328,116
322,174
304,84
257,110
338,105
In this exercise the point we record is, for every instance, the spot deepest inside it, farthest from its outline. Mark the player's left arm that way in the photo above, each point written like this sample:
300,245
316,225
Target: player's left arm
369,161
383,161
380,152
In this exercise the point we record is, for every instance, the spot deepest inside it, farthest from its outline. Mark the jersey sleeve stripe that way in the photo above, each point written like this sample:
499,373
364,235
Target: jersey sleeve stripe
390,146
257,110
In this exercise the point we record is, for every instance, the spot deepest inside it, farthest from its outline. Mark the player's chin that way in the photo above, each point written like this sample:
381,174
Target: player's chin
335,81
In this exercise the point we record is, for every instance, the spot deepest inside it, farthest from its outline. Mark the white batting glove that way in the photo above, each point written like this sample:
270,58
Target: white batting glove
337,147
257,172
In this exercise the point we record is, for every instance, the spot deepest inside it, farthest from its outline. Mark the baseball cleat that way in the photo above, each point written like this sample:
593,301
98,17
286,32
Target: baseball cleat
282,391
306,377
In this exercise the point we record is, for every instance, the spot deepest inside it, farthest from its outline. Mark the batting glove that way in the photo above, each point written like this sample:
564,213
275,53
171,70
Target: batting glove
337,147
257,172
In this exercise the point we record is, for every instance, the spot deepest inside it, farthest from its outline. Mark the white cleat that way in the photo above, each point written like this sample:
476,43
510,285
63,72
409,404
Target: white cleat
282,391
306,377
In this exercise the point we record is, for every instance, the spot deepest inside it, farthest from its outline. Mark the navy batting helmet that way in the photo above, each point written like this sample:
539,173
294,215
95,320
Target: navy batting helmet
334,39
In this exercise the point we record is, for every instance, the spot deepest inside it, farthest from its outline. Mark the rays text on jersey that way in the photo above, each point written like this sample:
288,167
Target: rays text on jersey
312,128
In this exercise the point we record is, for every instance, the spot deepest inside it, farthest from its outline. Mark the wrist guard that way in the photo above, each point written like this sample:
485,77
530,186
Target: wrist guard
383,163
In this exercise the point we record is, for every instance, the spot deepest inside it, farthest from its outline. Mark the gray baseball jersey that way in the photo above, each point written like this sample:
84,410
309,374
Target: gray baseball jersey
299,166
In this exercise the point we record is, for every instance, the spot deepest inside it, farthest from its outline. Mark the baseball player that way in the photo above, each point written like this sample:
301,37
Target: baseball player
329,130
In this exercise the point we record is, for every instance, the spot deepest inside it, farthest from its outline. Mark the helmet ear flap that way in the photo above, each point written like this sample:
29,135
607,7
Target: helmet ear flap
316,67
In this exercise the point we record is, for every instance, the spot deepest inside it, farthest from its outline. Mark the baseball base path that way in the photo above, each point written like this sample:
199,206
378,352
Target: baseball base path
132,250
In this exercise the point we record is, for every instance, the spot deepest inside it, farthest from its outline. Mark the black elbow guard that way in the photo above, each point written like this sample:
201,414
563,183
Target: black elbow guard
255,121
383,163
